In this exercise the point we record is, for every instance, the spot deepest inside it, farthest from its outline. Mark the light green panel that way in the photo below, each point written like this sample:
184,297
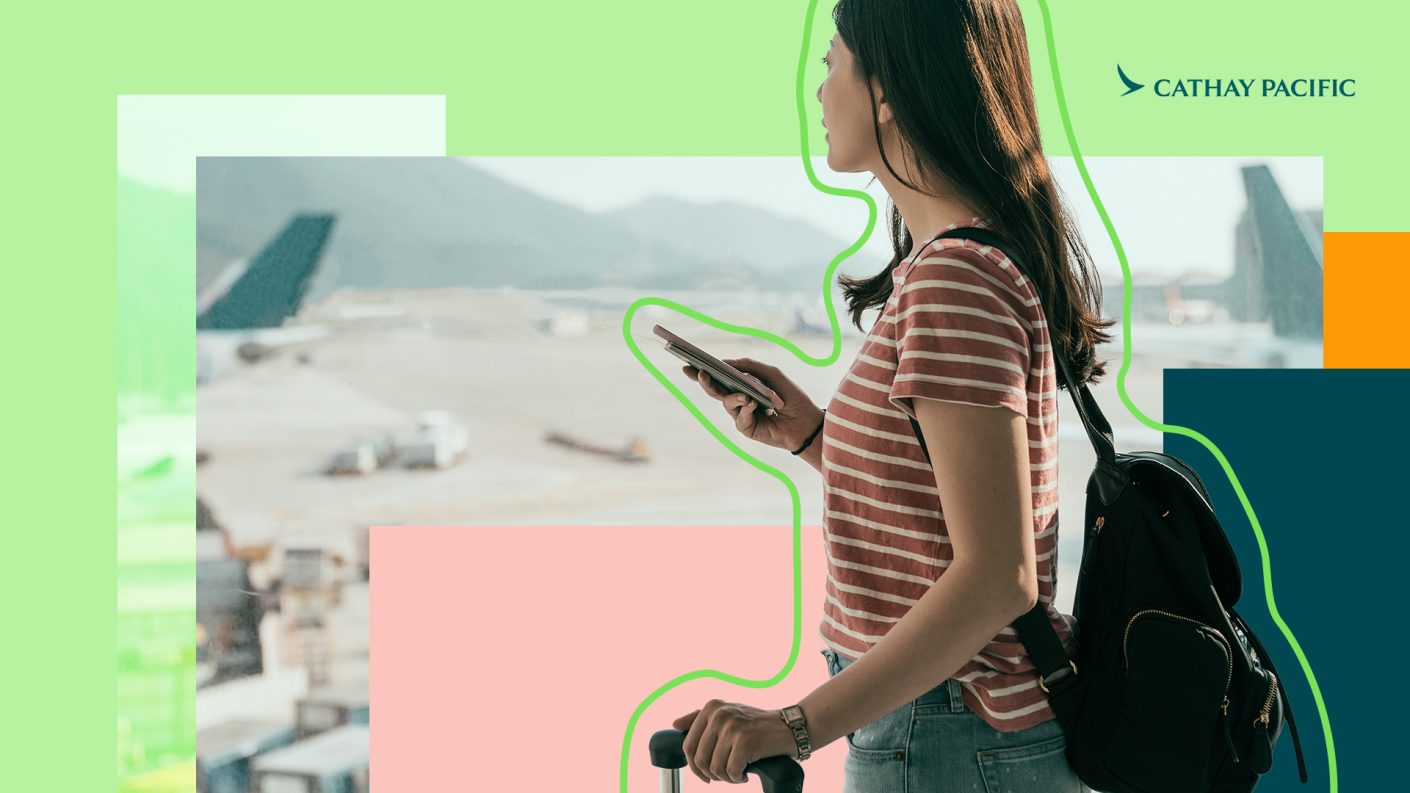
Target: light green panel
639,77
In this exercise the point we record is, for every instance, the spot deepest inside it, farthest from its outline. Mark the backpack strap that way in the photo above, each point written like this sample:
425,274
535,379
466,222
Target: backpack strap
1056,670
1095,422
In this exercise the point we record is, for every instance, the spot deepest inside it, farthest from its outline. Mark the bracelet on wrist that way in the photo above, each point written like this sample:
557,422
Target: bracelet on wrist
810,438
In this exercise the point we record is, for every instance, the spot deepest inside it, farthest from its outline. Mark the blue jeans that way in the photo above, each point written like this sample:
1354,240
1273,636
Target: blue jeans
935,744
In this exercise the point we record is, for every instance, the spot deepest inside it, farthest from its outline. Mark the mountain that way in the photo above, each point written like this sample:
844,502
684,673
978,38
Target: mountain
763,242
434,221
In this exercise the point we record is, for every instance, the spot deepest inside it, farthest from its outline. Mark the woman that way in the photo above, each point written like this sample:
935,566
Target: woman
929,565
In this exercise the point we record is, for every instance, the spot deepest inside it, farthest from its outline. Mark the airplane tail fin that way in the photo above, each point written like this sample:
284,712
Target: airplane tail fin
1290,276
271,288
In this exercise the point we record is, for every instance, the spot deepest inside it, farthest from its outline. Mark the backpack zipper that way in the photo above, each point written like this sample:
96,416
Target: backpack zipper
1125,638
1288,714
1265,714
1229,654
1262,745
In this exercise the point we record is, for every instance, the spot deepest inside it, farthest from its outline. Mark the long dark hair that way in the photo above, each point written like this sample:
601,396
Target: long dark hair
956,75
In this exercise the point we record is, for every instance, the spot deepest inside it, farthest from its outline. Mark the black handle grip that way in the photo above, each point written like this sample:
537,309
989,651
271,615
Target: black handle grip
779,774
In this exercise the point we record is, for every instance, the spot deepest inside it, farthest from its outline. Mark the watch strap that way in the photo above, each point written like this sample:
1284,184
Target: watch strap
793,717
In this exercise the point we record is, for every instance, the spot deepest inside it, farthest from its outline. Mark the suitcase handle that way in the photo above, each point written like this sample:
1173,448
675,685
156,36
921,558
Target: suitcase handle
779,774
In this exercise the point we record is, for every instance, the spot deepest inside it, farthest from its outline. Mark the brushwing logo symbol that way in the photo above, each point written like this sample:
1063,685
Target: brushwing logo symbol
1131,85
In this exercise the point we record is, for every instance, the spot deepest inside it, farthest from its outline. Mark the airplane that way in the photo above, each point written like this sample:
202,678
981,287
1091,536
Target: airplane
1267,314
241,315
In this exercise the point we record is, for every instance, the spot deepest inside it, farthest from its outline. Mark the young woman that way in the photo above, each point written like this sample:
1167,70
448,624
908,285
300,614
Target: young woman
929,565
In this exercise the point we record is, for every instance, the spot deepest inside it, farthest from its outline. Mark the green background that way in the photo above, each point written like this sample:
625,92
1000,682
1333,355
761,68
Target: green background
560,78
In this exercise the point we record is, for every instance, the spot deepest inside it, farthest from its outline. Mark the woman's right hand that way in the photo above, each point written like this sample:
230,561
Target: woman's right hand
795,416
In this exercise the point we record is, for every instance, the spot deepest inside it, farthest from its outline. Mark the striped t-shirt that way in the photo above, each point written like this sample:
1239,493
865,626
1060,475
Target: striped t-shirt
962,325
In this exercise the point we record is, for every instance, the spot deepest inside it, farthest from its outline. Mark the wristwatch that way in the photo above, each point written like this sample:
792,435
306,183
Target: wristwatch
793,717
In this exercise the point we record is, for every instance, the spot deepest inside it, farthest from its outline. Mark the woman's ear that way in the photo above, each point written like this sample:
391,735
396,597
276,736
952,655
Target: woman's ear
883,108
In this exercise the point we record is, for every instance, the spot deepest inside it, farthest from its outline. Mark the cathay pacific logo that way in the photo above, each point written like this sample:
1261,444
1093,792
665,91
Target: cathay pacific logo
1131,85
1243,87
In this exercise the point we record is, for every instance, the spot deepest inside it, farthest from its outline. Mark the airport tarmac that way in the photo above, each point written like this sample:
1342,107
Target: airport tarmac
269,429
501,362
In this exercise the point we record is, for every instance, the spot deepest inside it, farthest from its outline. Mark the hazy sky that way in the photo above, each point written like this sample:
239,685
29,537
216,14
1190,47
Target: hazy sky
1173,214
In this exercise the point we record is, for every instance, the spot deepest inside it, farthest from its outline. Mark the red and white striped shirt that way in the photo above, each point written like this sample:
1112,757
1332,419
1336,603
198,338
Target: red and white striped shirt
962,325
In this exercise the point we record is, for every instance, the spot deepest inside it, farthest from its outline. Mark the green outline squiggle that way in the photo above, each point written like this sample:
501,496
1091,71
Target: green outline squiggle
1178,430
796,640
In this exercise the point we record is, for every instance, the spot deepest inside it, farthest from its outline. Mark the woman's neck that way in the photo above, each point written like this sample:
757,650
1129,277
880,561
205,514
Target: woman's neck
925,216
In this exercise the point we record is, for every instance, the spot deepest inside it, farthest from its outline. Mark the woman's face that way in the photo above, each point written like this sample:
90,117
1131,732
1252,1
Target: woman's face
847,114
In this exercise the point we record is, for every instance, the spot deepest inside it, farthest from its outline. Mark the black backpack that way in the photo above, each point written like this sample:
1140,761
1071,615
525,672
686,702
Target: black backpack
1165,692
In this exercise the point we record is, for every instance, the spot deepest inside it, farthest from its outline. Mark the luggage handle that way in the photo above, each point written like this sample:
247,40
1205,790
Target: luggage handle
778,774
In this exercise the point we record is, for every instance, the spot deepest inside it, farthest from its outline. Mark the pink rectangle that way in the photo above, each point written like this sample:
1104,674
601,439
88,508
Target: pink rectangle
512,657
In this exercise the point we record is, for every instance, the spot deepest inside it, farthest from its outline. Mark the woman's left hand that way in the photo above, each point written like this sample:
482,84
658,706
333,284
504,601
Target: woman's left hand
723,737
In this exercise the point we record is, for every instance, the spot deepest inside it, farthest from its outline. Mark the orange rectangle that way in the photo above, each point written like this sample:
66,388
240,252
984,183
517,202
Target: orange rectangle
1367,285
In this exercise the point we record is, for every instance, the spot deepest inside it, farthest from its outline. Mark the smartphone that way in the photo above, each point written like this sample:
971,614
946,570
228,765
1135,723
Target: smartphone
729,378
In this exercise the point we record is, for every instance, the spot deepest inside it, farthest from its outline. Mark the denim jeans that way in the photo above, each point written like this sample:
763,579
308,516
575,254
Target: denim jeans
935,744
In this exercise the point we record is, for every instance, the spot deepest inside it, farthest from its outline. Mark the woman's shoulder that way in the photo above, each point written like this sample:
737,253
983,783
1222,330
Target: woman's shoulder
967,261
